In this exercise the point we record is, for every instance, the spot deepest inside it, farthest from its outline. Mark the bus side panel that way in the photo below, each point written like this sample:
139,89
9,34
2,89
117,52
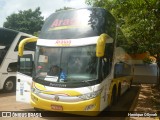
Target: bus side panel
23,88
105,93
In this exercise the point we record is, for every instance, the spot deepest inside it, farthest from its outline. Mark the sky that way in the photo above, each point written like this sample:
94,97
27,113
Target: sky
8,7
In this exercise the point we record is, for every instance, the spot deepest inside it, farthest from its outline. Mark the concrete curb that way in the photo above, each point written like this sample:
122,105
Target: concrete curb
134,102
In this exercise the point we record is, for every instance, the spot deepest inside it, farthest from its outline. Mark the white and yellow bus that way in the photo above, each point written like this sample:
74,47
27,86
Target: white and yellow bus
78,63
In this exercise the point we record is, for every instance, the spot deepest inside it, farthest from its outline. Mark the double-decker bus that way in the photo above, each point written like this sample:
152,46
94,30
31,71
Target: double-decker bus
78,63
9,40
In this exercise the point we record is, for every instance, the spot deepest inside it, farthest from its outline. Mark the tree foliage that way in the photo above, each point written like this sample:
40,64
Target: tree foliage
139,21
27,21
64,8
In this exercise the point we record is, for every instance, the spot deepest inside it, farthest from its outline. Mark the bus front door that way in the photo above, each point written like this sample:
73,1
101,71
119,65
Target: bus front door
24,79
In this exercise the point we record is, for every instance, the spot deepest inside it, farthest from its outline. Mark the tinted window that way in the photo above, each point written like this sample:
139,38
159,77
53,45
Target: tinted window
25,64
12,67
6,39
79,23
122,69
28,46
110,25
107,60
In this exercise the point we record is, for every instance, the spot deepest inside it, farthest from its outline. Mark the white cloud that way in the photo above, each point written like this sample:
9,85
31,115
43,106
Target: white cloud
7,7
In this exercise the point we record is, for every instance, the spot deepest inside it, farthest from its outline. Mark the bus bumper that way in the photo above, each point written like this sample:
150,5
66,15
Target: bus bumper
89,107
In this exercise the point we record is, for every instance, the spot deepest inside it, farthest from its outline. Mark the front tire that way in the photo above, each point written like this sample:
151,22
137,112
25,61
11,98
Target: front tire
9,85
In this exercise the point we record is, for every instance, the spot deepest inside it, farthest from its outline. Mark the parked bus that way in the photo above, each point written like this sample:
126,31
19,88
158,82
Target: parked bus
78,65
9,40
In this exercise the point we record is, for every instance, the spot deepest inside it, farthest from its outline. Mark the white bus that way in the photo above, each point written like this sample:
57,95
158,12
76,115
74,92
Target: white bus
9,40
79,63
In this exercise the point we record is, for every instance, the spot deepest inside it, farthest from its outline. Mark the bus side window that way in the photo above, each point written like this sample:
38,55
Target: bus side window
118,70
6,39
3,52
122,69
12,67
106,67
107,60
127,70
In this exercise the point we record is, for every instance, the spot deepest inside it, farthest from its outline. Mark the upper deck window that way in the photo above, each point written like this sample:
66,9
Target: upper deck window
6,39
79,23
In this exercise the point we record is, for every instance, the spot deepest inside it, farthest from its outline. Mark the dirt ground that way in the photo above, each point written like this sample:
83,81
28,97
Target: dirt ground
148,101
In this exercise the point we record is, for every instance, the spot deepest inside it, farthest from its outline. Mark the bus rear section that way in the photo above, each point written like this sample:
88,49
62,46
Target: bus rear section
9,40
74,64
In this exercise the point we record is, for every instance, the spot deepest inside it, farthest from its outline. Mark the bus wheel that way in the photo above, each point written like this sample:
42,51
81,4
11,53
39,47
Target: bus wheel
130,85
119,91
9,85
113,97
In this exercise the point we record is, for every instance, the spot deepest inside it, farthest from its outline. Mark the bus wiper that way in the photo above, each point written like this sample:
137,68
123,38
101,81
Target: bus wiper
85,81
89,85
37,77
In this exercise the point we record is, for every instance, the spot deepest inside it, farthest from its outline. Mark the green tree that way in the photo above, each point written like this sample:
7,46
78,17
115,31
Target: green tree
27,21
139,21
64,8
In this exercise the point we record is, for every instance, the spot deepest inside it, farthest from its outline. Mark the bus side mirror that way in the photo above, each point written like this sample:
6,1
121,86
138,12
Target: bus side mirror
100,47
25,64
22,44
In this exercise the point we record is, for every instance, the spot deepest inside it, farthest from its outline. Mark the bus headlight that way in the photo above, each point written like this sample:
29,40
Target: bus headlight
90,95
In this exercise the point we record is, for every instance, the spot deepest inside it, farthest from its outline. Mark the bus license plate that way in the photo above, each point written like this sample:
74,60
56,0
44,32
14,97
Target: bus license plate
56,107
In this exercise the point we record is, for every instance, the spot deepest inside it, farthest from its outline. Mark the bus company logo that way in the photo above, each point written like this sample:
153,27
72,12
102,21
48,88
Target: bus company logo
56,98
6,114
63,42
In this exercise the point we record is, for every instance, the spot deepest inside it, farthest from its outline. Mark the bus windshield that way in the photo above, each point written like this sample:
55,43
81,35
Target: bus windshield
73,24
74,64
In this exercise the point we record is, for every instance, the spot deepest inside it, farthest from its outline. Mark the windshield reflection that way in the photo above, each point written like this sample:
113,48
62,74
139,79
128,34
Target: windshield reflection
75,64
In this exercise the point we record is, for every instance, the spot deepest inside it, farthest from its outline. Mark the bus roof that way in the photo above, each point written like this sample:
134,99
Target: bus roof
9,30
73,9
